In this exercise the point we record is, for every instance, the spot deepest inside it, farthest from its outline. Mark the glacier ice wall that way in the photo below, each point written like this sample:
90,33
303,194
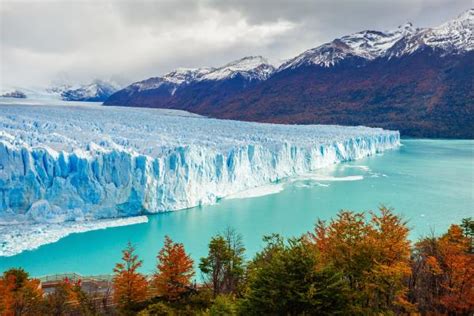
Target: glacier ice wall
64,163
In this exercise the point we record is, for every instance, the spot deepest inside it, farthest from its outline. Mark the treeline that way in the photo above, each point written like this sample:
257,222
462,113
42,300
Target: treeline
356,264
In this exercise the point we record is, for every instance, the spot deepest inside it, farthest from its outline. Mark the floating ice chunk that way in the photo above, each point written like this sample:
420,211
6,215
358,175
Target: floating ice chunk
316,177
17,238
258,191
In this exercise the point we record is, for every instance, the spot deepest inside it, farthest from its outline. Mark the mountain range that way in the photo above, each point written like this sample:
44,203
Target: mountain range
96,91
416,80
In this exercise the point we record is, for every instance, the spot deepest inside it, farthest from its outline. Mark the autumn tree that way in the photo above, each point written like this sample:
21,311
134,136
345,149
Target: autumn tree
19,295
60,301
443,273
223,268
373,255
174,271
130,287
69,297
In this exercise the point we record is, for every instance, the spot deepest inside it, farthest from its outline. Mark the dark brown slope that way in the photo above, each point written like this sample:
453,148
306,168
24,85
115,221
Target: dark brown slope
422,95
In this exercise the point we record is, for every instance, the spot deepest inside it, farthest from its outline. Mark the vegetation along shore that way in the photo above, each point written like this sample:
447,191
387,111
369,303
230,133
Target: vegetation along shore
355,264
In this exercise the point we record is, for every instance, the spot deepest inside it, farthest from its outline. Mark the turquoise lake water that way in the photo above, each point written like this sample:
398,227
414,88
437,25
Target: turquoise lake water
429,182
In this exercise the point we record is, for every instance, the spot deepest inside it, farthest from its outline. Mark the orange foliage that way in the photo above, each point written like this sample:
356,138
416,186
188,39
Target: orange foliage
458,265
130,286
373,256
443,274
19,295
175,270
71,288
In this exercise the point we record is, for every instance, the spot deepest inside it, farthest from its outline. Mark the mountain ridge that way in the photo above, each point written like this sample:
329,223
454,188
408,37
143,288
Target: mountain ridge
403,78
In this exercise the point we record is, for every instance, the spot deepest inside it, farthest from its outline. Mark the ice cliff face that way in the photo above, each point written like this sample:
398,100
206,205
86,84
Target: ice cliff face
63,163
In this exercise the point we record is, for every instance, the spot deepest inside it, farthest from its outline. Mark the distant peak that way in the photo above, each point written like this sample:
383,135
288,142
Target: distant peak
250,67
184,70
406,25
466,15
248,61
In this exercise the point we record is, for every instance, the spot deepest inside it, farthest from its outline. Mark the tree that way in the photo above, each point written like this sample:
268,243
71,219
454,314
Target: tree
223,268
467,226
59,301
287,279
174,271
373,255
19,295
443,273
130,286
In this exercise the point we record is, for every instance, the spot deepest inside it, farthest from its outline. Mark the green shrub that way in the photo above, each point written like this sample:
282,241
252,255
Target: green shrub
158,309
224,305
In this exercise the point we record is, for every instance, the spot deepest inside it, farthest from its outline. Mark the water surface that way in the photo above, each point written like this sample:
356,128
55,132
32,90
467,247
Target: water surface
429,182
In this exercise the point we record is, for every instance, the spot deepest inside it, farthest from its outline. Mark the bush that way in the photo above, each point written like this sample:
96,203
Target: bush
224,305
158,309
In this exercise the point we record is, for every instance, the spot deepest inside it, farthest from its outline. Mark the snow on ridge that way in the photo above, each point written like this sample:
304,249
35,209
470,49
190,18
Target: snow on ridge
366,44
82,163
251,68
452,36
186,75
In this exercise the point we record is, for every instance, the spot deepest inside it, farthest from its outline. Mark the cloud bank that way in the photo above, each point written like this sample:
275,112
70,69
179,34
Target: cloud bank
46,42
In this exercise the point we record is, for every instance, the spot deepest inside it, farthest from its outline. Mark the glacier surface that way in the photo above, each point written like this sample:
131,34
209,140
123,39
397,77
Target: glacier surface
84,162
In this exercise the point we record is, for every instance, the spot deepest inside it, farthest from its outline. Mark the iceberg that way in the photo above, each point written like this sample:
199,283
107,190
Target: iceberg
74,163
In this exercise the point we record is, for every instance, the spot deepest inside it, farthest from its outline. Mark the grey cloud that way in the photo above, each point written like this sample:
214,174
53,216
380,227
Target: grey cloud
42,41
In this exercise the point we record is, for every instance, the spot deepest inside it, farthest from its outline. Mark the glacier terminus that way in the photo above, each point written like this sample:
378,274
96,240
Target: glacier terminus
84,162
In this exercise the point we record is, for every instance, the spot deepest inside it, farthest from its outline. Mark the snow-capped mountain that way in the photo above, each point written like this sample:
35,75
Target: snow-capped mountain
366,45
250,68
98,90
172,80
453,37
17,94
417,80
188,82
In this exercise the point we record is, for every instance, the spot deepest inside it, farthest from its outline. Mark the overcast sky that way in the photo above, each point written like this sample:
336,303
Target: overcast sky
43,42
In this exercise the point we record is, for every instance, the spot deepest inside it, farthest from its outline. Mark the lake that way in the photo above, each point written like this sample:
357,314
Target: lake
429,182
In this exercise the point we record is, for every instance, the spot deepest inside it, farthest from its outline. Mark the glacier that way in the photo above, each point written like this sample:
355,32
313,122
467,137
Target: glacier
62,163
